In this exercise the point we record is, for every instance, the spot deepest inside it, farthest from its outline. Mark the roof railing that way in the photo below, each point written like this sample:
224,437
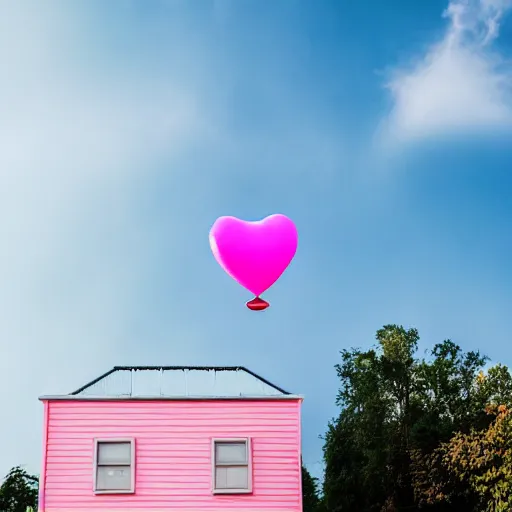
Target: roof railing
179,368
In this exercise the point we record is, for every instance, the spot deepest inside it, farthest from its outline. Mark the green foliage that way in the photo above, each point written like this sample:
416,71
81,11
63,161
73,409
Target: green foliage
310,499
480,461
382,453
18,491
483,460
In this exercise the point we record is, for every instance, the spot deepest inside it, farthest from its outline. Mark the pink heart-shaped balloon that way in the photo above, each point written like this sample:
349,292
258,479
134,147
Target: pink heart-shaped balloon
254,253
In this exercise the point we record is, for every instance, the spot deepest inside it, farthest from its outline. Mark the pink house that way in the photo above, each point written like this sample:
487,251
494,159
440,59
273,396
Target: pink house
188,439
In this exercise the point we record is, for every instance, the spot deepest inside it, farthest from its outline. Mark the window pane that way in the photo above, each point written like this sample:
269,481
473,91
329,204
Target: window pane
237,477
231,453
227,477
221,478
113,478
114,453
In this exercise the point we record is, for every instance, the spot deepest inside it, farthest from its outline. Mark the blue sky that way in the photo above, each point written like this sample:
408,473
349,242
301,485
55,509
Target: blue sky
127,128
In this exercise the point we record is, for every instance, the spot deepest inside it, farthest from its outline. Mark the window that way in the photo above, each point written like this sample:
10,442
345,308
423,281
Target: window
231,466
114,466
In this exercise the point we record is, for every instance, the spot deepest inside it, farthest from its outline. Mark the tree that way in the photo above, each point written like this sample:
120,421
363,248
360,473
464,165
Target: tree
352,450
396,409
475,464
310,499
18,491
483,459
366,446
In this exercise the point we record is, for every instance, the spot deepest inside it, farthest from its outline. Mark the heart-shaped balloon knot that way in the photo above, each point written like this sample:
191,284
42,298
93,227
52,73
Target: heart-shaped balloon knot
257,304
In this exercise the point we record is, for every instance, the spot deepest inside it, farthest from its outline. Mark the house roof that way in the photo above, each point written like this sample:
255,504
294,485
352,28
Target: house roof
177,382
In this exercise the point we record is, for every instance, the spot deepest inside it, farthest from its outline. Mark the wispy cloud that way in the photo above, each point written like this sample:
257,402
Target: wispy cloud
461,84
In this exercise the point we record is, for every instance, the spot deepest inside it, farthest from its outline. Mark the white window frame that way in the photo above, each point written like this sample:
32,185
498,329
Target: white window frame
223,440
114,440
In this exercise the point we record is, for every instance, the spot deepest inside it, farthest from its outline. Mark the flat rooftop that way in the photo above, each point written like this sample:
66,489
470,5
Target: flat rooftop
177,382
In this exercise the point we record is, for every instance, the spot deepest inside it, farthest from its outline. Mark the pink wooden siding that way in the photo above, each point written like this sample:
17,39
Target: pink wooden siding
173,454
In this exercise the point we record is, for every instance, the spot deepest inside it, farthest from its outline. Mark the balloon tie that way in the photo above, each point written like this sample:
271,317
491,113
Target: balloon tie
257,304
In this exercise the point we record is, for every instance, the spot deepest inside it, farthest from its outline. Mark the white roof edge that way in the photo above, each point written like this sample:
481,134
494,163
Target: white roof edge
91,398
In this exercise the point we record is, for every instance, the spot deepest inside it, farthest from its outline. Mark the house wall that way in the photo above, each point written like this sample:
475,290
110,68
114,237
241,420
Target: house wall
173,454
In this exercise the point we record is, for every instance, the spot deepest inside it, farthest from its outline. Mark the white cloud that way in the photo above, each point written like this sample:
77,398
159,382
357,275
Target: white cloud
462,84
74,143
